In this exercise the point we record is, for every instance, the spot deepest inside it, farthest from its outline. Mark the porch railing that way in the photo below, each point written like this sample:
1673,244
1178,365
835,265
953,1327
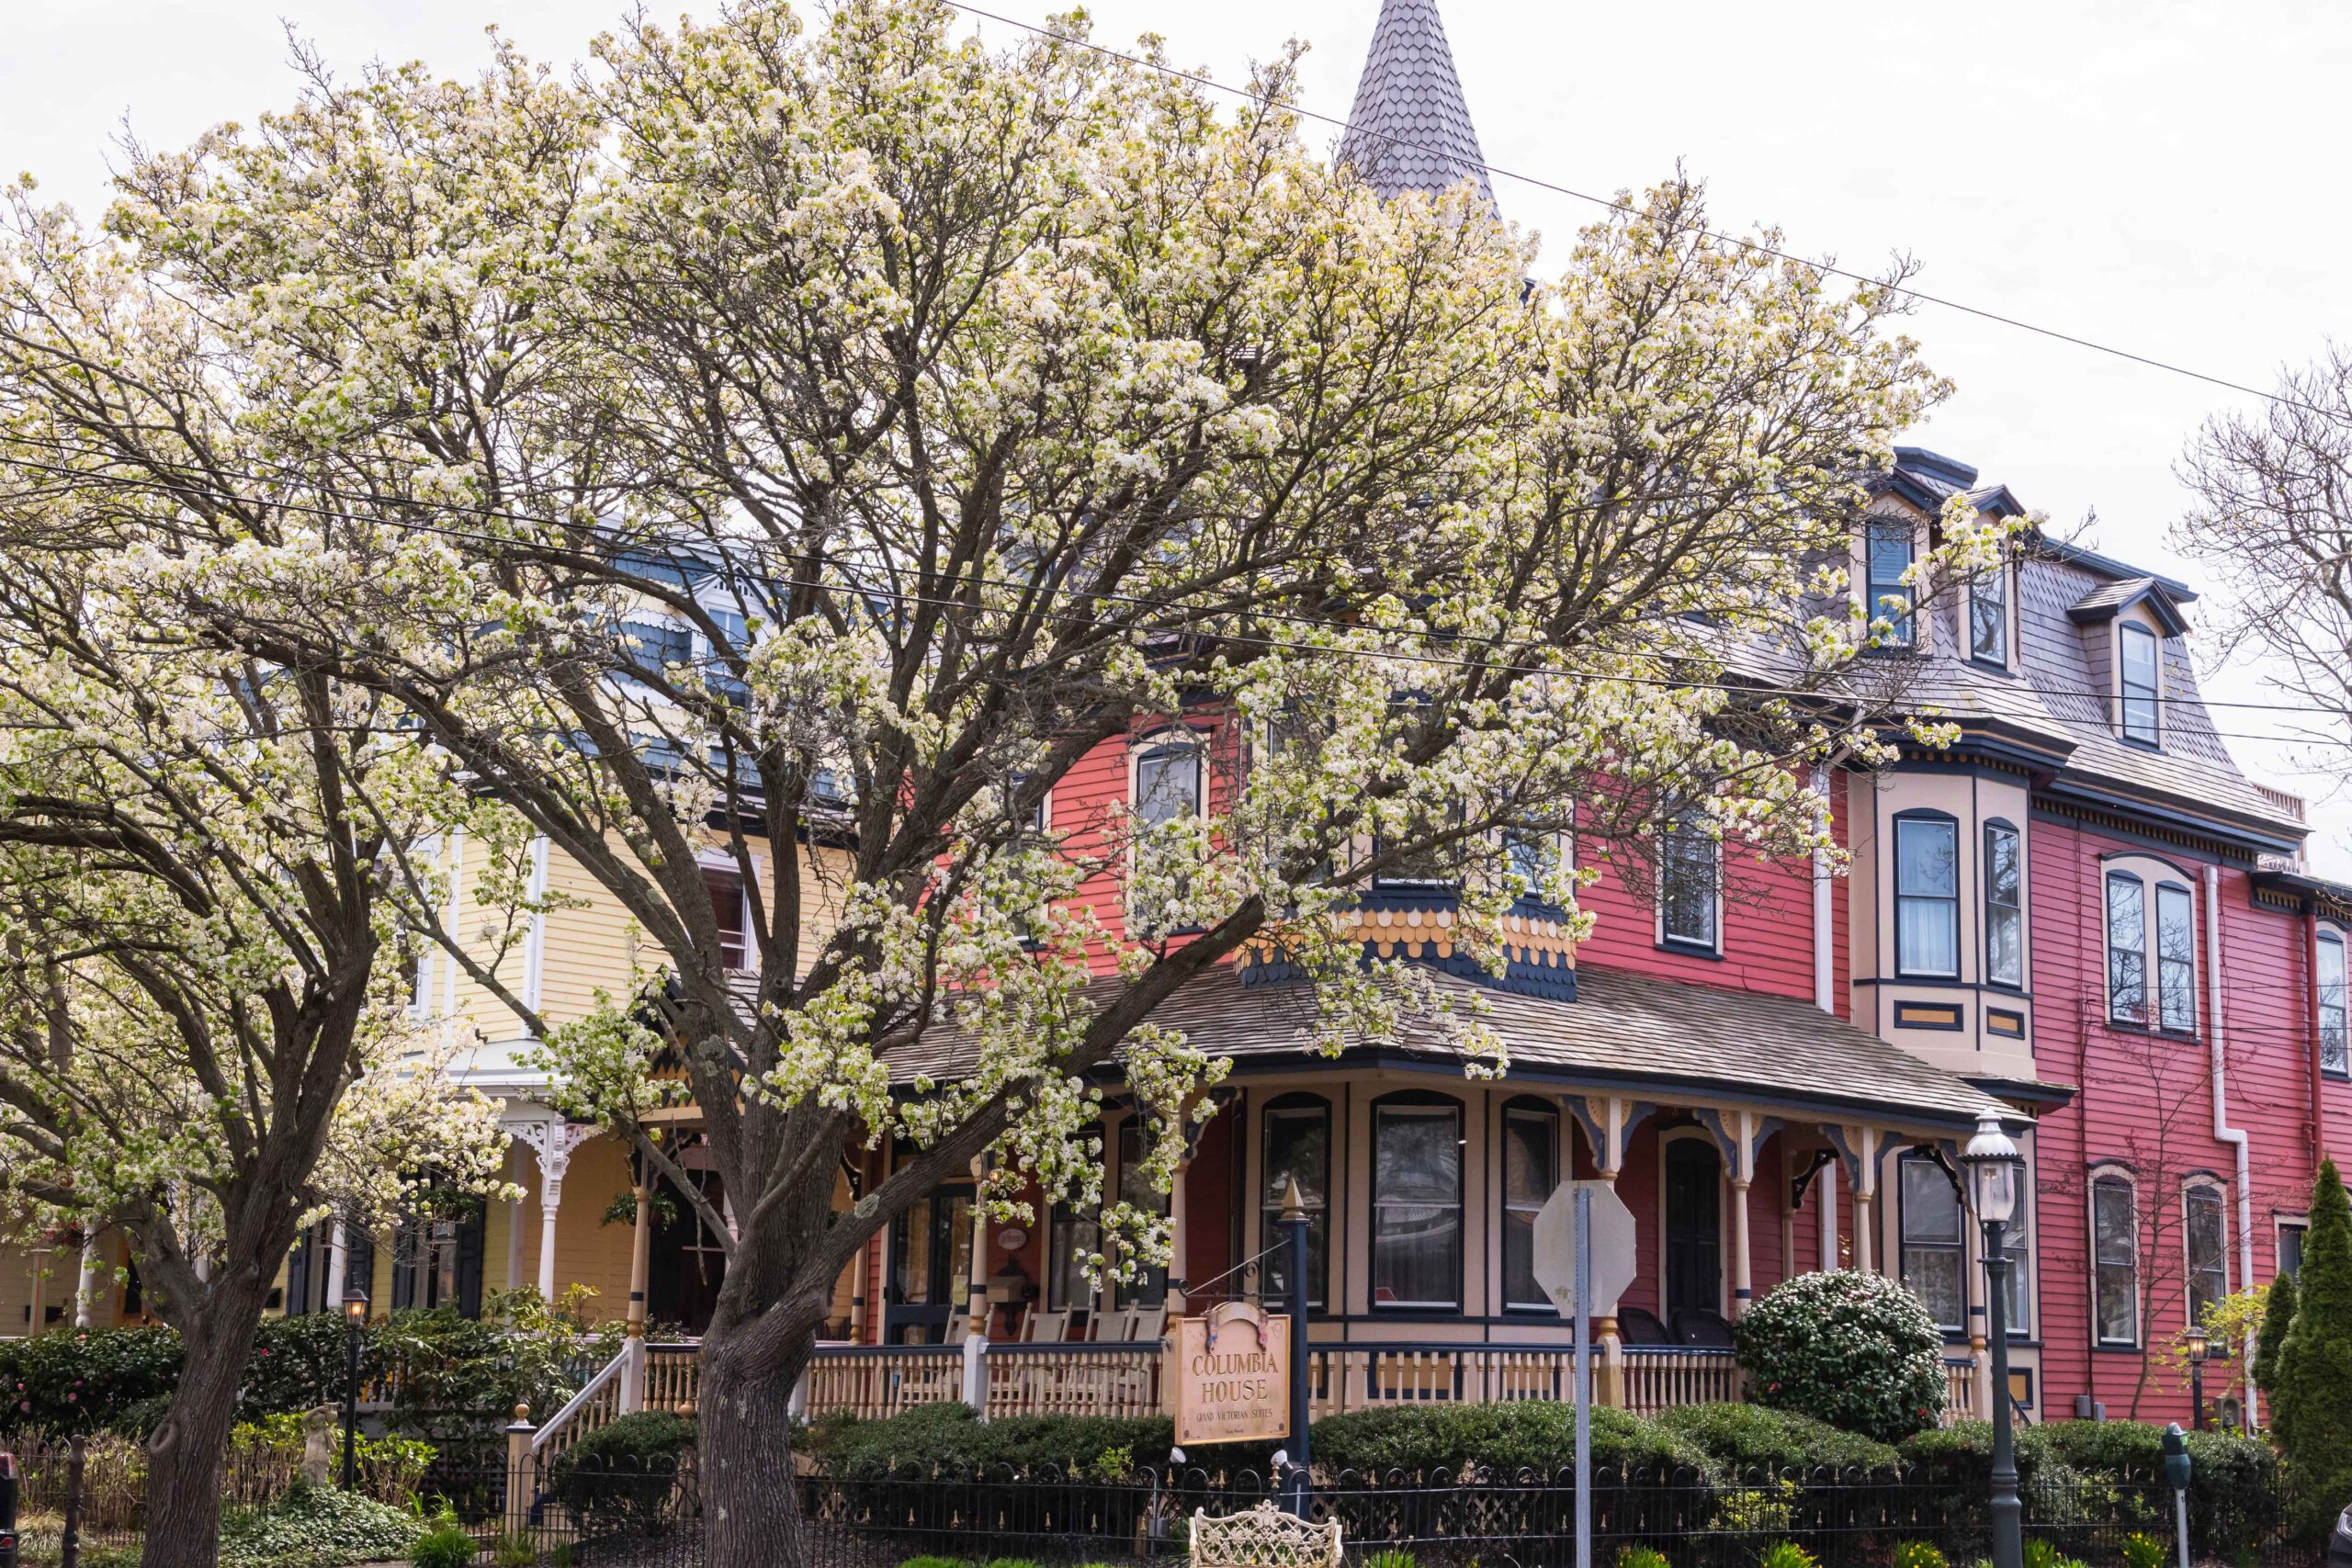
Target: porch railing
673,1378
1074,1379
882,1380
1662,1377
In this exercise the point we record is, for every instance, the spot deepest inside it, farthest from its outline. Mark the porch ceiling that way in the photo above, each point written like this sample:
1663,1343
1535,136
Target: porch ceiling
1625,1032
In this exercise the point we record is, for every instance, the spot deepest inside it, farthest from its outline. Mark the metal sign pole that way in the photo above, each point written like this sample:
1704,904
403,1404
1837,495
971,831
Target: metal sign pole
1584,1379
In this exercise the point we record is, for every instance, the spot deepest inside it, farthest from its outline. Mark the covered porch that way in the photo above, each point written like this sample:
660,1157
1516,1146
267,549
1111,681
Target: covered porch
1752,1137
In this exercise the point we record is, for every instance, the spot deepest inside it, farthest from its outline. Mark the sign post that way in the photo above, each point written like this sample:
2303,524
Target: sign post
1584,1260
1295,1288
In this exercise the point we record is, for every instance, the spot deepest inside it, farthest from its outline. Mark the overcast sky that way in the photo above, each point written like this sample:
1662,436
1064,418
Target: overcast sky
2161,175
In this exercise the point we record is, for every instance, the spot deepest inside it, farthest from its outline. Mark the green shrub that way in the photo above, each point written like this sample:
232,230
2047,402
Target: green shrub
1754,1436
1851,1348
316,1527
1918,1554
2143,1551
934,1562
86,1379
2312,1404
1786,1554
2227,1474
1758,1510
620,1476
2279,1299
1640,1557
514,1550
444,1544
1529,1435
1394,1557
1009,1562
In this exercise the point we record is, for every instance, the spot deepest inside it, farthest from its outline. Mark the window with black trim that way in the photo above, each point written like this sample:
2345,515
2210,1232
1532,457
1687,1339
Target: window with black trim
2206,1233
1689,877
1297,1143
1988,616
2176,957
2334,1057
1531,1169
2004,905
2115,1274
1415,1201
1934,1259
1926,896
2127,948
2137,656
1891,550
1150,1287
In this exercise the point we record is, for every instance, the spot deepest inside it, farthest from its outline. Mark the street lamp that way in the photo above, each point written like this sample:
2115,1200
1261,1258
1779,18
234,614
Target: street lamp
355,1318
1995,1174
2198,1350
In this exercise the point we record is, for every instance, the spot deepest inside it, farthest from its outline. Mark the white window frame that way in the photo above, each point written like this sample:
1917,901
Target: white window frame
1949,824
2162,964
2280,1225
1904,628
2113,1176
2017,836
708,861
2220,1196
2333,951
2153,732
1692,822
1524,1109
2000,573
2109,878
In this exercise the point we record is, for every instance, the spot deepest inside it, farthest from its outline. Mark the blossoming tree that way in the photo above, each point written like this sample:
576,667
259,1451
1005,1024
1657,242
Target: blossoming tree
203,1025
805,448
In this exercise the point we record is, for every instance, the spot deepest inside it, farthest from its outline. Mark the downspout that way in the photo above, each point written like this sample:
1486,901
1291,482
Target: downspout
2217,980
1824,957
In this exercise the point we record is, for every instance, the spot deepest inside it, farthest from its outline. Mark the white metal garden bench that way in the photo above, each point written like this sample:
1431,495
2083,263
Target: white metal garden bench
1265,1537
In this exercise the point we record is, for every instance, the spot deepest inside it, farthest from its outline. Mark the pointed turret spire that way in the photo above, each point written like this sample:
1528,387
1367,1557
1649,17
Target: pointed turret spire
1410,128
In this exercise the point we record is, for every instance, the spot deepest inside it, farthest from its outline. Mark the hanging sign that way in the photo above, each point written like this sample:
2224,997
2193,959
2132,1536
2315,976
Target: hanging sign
1228,1373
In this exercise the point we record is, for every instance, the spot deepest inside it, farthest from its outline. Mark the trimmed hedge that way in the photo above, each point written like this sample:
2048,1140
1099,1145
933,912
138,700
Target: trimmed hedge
950,1439
1746,1436
1529,1435
619,1477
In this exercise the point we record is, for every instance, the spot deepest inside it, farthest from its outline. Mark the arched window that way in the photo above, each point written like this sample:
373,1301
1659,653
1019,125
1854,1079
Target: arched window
1531,1169
2115,1258
1926,896
2334,1057
2004,905
2205,1235
2127,948
1296,1129
1416,1200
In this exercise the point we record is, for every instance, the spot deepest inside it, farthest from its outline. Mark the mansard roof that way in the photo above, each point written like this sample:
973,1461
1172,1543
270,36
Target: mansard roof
1410,128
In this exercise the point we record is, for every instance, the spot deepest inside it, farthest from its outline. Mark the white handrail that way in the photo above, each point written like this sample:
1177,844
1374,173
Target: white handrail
579,1402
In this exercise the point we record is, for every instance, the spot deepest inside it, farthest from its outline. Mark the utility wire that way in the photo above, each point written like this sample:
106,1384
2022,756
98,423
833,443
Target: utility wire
1928,691
1200,79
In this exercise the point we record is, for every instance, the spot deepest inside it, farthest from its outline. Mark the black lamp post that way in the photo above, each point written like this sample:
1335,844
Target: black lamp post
355,1318
2198,1350
1996,1176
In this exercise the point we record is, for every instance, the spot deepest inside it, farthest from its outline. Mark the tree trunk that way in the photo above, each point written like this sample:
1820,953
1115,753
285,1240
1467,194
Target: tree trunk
750,1501
185,1454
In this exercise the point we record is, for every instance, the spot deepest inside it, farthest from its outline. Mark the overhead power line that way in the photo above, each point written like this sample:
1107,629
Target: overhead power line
1913,692
1200,79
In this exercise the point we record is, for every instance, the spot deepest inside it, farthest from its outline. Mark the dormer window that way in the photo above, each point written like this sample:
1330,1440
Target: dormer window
1988,616
1890,554
2137,656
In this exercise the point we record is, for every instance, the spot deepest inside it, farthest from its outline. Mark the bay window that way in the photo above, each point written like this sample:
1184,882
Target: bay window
2004,906
1416,1202
1926,896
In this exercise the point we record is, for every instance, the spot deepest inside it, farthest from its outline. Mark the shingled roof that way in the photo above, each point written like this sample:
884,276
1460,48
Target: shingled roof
1624,1033
1410,128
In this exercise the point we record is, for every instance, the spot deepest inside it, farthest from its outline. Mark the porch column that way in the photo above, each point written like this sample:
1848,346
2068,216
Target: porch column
513,1232
85,1293
1177,1250
553,1143
976,1300
1742,1286
39,1305
338,1265
640,1269
1740,1134
1859,1149
1828,1201
1608,1121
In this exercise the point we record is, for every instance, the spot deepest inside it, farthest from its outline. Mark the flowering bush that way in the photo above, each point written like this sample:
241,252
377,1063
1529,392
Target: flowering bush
1854,1349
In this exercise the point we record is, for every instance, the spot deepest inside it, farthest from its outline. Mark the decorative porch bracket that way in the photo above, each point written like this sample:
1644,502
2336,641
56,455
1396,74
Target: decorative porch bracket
1860,1148
1608,1121
1740,1135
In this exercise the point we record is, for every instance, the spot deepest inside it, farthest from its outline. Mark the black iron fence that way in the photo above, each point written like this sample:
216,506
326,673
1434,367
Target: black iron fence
649,1515
1855,1518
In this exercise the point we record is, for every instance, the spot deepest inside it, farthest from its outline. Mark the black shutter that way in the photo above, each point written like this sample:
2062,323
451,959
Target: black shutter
358,1266
469,1248
298,1274
405,1241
